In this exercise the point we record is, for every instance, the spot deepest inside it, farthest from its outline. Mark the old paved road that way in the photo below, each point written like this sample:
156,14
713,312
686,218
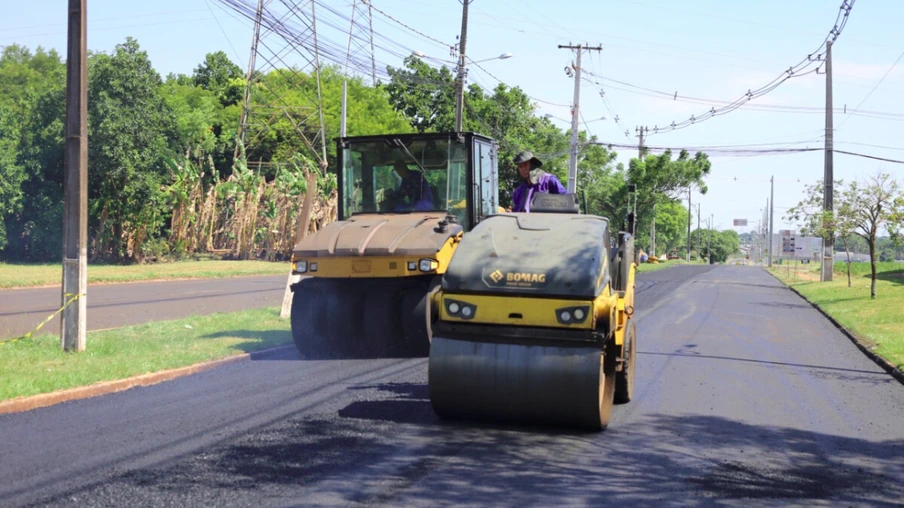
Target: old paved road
114,305
746,396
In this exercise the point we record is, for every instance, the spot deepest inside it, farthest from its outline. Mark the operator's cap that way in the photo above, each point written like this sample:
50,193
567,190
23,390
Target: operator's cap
525,156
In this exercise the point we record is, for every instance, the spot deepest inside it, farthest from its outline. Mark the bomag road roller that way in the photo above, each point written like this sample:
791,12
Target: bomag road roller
405,202
533,320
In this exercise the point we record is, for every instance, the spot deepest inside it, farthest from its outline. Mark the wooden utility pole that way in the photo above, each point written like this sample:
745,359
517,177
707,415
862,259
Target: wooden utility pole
460,81
828,255
576,114
73,323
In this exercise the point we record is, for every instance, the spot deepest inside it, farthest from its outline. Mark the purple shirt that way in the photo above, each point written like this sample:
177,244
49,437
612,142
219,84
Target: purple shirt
546,183
415,194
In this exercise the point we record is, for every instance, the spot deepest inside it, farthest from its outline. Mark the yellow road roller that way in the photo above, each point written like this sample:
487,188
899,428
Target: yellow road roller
405,201
532,322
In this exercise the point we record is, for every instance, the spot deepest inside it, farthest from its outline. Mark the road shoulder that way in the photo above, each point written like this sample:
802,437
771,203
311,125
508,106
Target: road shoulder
862,344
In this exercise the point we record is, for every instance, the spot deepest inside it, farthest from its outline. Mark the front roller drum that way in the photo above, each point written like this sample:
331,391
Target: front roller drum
527,384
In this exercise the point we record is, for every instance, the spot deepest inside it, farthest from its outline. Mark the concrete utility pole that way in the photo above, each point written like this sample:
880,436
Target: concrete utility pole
828,255
698,231
710,248
689,215
73,322
640,155
771,213
575,115
460,81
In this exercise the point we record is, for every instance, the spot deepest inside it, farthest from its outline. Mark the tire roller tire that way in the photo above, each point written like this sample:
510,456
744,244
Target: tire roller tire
624,379
307,319
570,386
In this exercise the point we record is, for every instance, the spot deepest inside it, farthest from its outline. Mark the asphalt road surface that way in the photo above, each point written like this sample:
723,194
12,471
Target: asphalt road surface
745,396
115,305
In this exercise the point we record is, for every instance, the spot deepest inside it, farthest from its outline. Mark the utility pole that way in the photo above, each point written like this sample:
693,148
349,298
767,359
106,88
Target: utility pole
710,248
698,231
689,214
575,115
640,149
460,82
771,213
73,322
828,255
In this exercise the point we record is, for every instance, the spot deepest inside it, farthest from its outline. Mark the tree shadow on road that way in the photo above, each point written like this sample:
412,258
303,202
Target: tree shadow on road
387,447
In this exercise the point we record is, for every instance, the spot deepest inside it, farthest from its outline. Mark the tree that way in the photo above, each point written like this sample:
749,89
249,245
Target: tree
32,106
219,75
718,246
129,127
815,221
671,224
659,180
423,94
870,206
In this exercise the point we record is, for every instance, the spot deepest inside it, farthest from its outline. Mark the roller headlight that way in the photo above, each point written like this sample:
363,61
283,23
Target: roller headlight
427,265
301,266
313,267
412,266
572,315
460,309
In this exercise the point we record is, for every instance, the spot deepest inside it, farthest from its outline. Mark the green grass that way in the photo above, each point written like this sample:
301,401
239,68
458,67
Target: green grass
29,275
38,365
877,323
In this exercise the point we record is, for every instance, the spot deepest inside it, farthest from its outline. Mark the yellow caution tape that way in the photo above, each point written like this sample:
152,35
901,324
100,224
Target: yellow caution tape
73,298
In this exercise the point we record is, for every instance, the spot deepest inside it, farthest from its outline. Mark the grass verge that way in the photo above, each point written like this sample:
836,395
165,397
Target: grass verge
30,275
876,323
38,365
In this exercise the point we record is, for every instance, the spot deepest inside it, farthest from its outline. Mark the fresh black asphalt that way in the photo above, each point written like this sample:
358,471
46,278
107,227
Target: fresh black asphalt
746,396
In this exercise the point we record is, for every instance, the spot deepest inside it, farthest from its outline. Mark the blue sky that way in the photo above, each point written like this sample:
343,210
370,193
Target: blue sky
708,49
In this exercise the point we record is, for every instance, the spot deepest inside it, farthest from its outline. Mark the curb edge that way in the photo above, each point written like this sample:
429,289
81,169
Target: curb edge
21,404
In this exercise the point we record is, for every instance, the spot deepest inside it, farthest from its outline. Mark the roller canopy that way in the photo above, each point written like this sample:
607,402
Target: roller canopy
533,254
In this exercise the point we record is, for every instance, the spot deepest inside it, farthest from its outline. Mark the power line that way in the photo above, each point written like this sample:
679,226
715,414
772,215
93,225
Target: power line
794,71
874,88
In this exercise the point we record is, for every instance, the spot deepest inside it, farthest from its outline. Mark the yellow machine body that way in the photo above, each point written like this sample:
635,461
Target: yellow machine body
532,322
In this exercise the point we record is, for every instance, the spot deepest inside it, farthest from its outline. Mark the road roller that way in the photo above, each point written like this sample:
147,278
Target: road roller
532,322
404,203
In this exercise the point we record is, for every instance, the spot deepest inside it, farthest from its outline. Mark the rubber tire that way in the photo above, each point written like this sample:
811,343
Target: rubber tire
306,319
607,393
624,379
414,322
379,307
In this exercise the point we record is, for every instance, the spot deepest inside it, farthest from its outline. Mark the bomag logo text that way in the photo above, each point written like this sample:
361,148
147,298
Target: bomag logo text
526,277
